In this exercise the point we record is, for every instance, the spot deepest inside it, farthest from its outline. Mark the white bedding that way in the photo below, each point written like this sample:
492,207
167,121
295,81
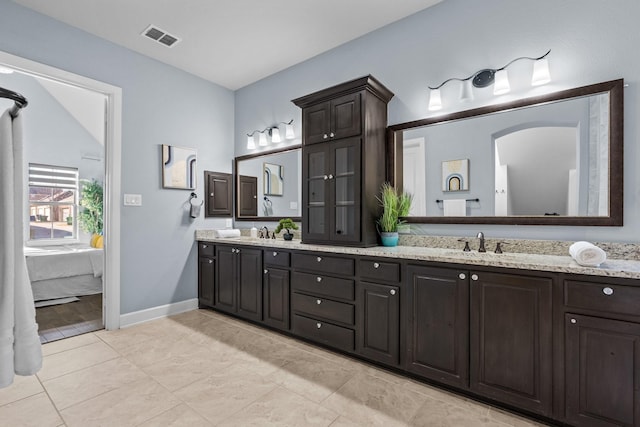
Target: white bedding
59,274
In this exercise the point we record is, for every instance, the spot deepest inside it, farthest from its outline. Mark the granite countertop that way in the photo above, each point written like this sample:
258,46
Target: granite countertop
552,263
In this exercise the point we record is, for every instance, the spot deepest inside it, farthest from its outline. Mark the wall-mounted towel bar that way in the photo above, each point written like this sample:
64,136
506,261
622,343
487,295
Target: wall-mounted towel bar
468,200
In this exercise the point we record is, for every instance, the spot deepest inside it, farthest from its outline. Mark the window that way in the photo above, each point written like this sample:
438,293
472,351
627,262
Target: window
53,202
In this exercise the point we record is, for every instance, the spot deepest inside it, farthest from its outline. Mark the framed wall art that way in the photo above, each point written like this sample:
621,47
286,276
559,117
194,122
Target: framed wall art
178,167
455,175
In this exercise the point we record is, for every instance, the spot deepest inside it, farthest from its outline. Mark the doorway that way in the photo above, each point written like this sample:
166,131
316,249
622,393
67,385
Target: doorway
110,300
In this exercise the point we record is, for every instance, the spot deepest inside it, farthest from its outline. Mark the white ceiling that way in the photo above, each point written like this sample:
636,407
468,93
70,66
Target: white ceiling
231,42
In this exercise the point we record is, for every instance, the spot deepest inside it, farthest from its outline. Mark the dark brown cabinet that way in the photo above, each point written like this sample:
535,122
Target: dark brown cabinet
343,152
206,274
276,289
239,281
511,339
438,324
247,195
379,322
218,194
602,371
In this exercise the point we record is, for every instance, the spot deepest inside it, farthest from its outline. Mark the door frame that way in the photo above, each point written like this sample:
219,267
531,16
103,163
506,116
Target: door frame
112,188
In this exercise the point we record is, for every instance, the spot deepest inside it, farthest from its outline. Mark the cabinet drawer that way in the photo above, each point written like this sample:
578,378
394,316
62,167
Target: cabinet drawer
602,297
326,333
324,308
206,249
323,285
277,258
379,271
324,264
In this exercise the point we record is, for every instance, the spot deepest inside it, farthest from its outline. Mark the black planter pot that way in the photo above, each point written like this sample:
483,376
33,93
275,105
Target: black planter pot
287,236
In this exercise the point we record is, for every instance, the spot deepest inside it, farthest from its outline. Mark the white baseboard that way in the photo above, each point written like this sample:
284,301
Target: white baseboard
153,313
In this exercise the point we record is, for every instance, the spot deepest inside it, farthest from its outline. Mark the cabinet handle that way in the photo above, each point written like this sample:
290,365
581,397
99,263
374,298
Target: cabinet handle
266,271
574,321
319,259
318,301
318,279
332,134
318,325
210,261
474,277
330,176
607,291
275,254
392,291
462,276
325,136
376,265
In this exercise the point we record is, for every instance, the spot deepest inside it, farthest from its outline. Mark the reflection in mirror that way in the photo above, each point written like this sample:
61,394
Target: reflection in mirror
261,190
555,159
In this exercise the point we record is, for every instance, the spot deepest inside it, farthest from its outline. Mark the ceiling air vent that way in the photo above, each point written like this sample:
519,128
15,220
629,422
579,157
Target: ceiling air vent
161,36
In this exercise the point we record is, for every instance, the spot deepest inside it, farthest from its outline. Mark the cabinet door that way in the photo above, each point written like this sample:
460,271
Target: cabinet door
206,280
316,121
344,192
249,274
225,295
438,324
511,339
345,116
378,335
248,198
218,190
602,371
276,298
315,172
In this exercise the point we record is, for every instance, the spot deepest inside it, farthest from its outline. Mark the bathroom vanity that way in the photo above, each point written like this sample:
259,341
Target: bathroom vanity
534,333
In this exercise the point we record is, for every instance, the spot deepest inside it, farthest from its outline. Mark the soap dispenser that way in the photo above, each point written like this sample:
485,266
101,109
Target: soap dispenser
254,232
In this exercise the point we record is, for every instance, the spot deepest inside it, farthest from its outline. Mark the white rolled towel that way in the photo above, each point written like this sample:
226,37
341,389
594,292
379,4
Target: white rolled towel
587,254
228,232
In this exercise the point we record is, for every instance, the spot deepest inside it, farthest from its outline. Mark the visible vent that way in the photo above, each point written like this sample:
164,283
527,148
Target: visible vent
161,36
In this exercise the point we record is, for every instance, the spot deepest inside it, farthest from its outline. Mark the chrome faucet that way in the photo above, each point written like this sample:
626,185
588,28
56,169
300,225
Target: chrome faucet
481,237
266,231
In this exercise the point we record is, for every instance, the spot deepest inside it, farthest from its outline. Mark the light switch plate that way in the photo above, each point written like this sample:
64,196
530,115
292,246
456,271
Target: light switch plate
133,199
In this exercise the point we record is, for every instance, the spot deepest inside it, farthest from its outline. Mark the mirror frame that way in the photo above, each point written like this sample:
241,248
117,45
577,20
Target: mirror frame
236,177
616,146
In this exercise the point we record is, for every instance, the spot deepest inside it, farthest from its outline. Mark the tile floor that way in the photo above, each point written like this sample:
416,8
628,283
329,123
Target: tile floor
204,369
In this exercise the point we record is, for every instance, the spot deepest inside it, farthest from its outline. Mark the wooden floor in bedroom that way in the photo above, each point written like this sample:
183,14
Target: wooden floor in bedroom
67,320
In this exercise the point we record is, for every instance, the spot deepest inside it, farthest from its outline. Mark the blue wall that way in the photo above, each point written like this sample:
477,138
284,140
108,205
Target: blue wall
591,41
161,105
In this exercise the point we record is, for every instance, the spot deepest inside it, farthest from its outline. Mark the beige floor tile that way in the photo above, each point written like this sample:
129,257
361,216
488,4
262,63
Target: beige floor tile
123,339
36,411
22,387
85,384
375,401
65,362
440,414
225,393
179,416
150,352
311,376
68,344
129,405
282,408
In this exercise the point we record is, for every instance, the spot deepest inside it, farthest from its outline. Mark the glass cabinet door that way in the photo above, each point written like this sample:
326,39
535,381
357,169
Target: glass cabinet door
315,204
345,185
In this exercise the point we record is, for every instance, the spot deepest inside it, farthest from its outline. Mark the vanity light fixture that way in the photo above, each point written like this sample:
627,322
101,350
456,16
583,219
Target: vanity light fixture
274,134
488,76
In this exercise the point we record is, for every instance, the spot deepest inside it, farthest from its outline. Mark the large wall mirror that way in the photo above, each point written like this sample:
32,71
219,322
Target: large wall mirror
268,185
555,159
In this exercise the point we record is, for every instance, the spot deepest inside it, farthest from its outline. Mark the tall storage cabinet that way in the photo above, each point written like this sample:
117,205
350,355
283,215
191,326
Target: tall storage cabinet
343,161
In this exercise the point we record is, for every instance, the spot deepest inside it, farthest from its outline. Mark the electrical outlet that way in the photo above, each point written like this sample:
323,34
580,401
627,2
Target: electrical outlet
229,223
133,199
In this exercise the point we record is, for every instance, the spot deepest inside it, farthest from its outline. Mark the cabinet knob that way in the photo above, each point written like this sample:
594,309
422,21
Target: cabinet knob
332,134
574,321
318,325
275,254
325,136
266,271
462,276
330,176
376,265
237,251
326,177
607,291
474,277
392,291
319,259
318,279
210,261
204,246
318,301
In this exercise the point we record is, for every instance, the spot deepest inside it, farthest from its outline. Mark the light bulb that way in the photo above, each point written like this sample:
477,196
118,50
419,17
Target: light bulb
466,91
275,135
435,101
501,83
288,133
251,143
262,141
540,72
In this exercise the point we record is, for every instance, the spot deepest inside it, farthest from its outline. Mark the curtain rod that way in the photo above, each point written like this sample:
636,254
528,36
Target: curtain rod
20,101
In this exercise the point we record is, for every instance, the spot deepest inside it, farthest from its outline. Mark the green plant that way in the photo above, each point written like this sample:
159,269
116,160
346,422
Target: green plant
287,224
394,206
90,217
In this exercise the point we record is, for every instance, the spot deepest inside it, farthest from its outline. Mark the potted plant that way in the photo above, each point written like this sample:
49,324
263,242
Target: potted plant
90,218
69,220
394,205
286,224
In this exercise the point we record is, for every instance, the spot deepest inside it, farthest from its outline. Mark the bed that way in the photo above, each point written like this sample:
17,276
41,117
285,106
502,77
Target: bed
63,272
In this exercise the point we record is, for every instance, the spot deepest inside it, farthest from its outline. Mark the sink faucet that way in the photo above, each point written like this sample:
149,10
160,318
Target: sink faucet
481,237
266,231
